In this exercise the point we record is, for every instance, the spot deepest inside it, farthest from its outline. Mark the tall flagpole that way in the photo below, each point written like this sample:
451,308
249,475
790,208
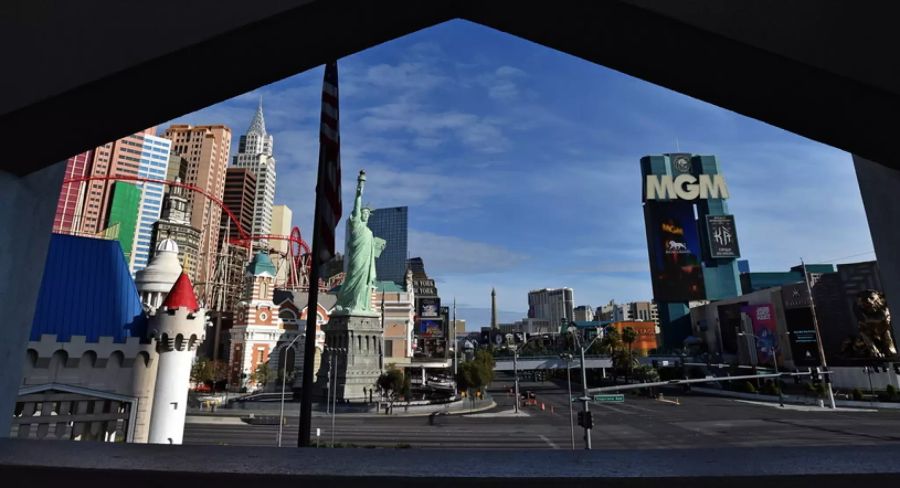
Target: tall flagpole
309,349
325,219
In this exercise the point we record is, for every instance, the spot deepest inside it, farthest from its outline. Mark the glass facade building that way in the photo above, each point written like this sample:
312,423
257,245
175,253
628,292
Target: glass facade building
390,224
154,163
122,218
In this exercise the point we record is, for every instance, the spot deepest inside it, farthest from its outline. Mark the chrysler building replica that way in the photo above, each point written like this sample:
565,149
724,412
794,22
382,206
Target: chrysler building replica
257,326
255,154
178,328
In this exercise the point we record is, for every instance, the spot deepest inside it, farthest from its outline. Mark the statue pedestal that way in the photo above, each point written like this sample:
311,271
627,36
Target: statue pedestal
358,364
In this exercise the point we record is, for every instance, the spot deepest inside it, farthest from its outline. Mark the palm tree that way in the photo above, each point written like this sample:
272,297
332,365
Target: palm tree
629,335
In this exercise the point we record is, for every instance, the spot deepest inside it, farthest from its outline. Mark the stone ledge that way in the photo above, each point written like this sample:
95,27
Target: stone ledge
146,465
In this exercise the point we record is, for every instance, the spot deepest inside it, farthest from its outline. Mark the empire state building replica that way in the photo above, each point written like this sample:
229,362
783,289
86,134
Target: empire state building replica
255,154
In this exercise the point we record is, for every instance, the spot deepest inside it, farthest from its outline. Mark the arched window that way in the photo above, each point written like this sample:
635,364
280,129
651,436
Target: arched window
179,342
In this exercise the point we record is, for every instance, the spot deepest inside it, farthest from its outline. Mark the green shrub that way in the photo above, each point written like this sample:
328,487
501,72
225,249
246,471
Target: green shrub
770,388
749,388
891,391
856,394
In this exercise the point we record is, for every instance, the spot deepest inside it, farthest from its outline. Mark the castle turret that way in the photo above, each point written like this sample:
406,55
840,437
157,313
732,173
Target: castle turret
178,328
154,282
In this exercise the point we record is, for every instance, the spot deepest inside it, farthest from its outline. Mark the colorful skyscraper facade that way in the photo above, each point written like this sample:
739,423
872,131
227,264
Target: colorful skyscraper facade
71,196
124,205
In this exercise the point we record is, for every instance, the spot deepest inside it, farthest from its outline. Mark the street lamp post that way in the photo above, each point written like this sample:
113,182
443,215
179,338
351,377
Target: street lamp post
283,384
812,308
334,356
568,357
515,351
584,386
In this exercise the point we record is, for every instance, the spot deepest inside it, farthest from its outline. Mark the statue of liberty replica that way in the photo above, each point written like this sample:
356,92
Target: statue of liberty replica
351,362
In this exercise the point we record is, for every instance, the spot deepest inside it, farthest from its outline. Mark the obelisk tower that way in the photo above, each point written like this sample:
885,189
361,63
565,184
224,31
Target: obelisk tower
494,324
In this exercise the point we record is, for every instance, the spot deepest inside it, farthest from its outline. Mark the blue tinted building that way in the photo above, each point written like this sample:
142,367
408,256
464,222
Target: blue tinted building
391,224
154,163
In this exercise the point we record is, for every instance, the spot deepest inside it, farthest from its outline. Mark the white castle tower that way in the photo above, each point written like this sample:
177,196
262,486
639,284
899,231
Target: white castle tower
178,328
154,282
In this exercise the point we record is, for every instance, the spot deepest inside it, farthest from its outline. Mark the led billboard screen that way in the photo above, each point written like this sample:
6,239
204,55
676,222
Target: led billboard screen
763,319
431,328
723,243
429,308
675,255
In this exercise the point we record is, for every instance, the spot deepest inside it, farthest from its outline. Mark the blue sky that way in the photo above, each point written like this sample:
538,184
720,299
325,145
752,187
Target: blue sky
520,166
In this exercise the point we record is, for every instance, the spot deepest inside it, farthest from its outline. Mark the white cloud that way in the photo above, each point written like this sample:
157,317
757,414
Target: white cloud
480,134
449,255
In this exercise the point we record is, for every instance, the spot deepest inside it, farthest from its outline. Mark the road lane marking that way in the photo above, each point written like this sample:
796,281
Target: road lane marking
548,441
614,409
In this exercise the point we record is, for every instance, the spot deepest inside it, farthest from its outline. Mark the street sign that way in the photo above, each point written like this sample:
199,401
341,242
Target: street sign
614,398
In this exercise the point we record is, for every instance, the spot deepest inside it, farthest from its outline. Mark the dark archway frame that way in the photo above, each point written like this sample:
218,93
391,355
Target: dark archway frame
732,58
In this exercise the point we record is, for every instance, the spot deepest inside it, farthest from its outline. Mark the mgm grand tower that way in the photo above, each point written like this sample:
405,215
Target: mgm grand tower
691,238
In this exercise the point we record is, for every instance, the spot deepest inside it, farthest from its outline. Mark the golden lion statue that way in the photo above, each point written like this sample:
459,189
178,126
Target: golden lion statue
874,320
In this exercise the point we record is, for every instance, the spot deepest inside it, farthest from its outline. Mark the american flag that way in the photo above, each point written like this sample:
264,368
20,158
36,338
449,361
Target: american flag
328,187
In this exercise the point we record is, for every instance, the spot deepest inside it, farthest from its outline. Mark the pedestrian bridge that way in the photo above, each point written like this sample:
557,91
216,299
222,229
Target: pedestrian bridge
551,362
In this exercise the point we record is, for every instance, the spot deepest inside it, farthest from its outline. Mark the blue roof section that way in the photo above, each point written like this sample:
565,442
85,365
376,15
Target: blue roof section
88,291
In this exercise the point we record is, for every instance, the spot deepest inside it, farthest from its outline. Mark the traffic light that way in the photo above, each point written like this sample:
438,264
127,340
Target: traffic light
814,376
586,420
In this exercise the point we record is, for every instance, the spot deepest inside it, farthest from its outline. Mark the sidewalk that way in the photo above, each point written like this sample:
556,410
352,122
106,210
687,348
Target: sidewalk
292,410
807,408
796,400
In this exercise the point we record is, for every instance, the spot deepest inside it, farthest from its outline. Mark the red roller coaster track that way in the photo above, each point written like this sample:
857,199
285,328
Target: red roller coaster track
297,250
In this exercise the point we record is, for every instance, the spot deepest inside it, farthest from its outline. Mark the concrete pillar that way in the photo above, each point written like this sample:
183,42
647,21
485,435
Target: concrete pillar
27,207
880,189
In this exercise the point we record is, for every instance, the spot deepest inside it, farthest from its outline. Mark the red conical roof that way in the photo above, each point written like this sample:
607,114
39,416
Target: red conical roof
182,295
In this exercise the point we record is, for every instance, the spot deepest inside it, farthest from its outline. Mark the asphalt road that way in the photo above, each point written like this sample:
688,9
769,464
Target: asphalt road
639,423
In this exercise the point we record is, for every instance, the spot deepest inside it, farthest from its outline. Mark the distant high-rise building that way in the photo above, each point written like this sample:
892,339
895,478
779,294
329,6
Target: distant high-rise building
390,224
175,224
238,197
71,198
255,154
178,168
154,164
281,226
206,149
584,313
627,312
553,304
